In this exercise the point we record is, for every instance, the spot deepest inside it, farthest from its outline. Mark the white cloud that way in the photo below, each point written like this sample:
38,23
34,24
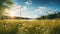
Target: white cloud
15,10
52,11
19,7
29,2
41,10
45,10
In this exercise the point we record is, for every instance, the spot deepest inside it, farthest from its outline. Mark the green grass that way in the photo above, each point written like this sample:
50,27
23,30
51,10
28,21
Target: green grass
30,26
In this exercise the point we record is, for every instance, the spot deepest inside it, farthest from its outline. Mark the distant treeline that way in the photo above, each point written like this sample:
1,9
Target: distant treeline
50,16
8,17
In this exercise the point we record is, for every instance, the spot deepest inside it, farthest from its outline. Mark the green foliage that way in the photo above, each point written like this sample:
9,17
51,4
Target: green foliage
50,16
5,4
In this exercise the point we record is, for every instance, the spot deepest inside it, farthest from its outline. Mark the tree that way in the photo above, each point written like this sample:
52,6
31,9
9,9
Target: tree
52,16
5,4
58,15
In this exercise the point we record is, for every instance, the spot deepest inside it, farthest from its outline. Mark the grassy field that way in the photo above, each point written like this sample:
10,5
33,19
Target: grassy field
30,26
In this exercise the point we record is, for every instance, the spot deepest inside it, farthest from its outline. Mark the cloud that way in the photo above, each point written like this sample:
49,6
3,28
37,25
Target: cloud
28,2
15,10
19,7
41,10
45,10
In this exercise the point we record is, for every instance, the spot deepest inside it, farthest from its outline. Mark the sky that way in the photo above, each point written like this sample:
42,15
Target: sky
34,8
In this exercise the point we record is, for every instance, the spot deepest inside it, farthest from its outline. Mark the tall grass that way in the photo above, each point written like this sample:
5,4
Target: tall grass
30,27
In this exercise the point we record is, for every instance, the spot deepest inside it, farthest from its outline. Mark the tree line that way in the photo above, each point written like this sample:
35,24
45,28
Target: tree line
50,16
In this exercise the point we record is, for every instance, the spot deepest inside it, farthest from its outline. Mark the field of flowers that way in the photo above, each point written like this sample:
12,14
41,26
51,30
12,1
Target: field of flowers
30,27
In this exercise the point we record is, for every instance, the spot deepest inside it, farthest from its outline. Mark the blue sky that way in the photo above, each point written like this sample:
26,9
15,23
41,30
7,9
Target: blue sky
36,3
35,8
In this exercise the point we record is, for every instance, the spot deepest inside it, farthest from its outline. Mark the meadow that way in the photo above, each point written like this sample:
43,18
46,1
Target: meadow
30,26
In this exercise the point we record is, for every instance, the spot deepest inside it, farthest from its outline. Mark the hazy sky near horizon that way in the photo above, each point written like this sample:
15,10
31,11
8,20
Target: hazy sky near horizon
35,8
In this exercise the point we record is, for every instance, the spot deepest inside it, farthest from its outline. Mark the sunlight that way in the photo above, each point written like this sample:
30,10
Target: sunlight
11,14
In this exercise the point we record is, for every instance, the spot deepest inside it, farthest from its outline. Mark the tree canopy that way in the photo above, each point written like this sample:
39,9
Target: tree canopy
5,4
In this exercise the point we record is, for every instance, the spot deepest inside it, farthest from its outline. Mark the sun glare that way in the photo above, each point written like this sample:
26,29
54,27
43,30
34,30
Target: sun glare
11,14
